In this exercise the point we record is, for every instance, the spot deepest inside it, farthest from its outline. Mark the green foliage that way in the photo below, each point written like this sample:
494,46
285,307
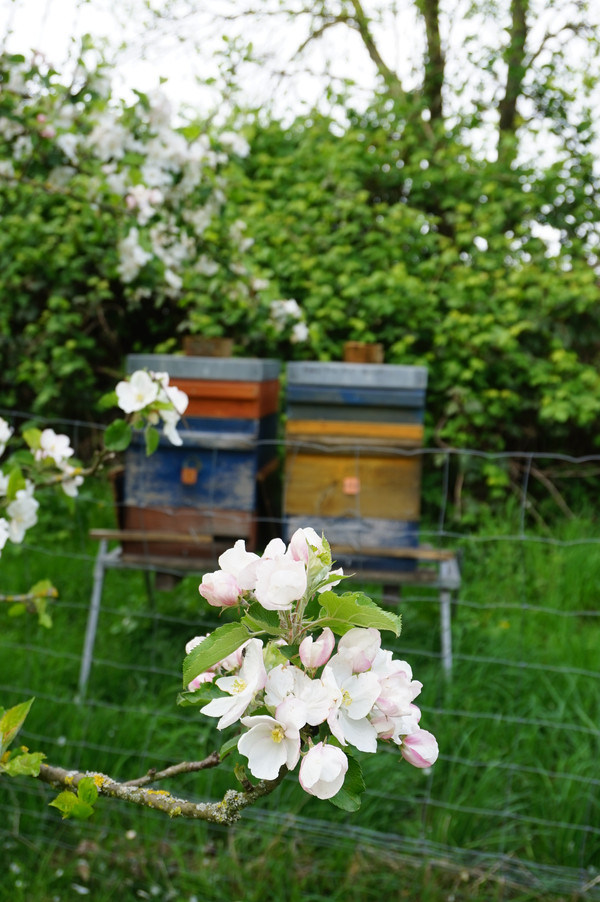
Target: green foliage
22,763
17,762
349,796
222,642
343,612
79,804
437,254
11,722
113,234
117,436
36,601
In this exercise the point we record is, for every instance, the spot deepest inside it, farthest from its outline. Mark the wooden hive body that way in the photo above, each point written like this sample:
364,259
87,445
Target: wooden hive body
352,467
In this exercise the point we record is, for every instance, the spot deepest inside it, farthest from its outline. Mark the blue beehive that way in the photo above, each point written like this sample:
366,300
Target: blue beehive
210,485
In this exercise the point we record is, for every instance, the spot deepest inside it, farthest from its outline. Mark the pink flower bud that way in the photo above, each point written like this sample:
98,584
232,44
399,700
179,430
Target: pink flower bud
315,653
300,541
220,589
420,749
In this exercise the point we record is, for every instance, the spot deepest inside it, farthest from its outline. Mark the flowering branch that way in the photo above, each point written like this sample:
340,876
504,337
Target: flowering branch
227,811
147,400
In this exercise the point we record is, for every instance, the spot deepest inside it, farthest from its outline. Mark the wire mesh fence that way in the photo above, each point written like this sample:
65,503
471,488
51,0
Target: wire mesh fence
515,795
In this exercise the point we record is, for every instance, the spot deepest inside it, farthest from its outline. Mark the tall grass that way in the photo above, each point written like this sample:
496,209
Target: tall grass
510,811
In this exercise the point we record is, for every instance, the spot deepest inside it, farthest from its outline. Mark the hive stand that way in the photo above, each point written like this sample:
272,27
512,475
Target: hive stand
439,571
145,560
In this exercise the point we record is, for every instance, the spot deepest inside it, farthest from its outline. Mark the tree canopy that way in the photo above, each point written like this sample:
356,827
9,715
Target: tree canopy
453,217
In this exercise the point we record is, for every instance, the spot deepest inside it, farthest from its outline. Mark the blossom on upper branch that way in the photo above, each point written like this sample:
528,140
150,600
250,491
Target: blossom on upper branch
139,391
5,433
150,396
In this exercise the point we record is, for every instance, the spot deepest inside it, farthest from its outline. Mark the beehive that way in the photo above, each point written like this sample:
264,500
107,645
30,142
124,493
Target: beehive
352,467
211,484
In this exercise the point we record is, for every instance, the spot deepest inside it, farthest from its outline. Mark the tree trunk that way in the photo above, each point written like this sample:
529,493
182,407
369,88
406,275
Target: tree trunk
516,68
433,82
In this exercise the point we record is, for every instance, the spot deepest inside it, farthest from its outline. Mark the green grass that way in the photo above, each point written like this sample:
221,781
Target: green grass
510,811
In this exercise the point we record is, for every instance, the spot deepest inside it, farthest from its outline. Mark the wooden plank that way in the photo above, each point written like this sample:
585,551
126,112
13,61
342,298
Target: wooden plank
297,411
366,485
389,376
336,431
195,564
419,554
230,399
185,532
355,396
190,521
140,535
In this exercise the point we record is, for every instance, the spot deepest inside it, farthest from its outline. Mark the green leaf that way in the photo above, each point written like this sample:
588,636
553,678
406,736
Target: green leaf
222,642
288,651
87,790
258,619
108,400
343,612
16,482
228,747
17,610
24,764
44,589
33,438
191,698
117,436
11,722
71,805
348,798
152,438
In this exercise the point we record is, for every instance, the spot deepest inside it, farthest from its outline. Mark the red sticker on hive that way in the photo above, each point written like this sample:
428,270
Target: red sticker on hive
351,485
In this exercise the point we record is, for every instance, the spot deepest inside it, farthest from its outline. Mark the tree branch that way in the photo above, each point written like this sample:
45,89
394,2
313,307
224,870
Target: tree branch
390,78
29,598
184,767
227,811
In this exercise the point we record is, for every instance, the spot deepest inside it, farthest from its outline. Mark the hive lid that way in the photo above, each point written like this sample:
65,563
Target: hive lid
385,375
233,369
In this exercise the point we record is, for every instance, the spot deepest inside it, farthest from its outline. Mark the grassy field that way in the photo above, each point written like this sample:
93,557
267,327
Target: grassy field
510,811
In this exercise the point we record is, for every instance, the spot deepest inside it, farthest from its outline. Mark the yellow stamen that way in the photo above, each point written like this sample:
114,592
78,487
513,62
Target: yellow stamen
277,733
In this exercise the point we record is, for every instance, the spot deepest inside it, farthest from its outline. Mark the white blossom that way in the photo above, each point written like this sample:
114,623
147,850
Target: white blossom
323,771
23,514
139,392
241,689
132,257
5,433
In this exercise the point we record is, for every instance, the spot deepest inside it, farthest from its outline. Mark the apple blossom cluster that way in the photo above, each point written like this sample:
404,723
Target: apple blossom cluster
163,181
51,455
150,398
288,314
298,696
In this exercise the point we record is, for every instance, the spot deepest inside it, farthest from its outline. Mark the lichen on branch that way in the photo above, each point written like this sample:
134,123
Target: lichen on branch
226,811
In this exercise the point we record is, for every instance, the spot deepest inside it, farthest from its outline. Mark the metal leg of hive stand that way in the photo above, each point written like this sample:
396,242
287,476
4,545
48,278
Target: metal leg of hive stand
446,631
92,622
449,580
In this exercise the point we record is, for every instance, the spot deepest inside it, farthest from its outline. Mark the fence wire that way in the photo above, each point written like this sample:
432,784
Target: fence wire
515,795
